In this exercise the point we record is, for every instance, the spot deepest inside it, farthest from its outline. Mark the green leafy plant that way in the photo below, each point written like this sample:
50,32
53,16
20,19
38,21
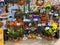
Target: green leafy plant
21,31
9,33
15,35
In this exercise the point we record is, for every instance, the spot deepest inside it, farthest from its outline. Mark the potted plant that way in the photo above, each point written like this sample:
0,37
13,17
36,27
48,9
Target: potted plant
15,36
21,33
9,34
50,32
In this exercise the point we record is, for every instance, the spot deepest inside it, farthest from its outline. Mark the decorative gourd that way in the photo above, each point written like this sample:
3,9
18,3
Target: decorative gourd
39,4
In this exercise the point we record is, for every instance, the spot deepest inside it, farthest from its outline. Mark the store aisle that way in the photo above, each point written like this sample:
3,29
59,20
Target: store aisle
32,42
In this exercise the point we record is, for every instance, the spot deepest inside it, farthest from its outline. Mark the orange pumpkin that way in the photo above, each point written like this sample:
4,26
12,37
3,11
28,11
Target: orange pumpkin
30,37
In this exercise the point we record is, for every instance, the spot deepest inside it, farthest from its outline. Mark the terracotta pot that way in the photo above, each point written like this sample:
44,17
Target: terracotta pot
43,36
16,40
49,38
9,38
21,38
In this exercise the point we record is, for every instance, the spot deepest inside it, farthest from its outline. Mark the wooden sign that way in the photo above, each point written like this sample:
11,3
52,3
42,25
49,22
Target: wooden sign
1,37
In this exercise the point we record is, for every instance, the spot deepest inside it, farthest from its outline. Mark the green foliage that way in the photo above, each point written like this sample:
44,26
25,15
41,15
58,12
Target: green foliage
15,35
9,33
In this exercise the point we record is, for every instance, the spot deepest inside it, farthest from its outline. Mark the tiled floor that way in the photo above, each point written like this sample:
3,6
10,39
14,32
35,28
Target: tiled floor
34,42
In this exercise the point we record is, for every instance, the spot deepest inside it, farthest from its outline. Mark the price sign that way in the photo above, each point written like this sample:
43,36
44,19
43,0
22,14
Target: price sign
56,14
39,24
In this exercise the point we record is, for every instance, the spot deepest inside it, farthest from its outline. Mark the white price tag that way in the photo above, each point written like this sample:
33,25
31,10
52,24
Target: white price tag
35,19
18,24
39,24
26,20
50,13
43,24
47,28
56,14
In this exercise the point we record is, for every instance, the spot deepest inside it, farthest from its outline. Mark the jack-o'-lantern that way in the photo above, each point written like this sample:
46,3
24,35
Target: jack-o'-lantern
21,2
39,3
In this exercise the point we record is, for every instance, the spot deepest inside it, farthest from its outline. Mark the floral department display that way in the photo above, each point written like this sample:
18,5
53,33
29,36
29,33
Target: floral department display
36,22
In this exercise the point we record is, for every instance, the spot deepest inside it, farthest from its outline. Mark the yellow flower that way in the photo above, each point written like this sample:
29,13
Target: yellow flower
54,25
50,30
